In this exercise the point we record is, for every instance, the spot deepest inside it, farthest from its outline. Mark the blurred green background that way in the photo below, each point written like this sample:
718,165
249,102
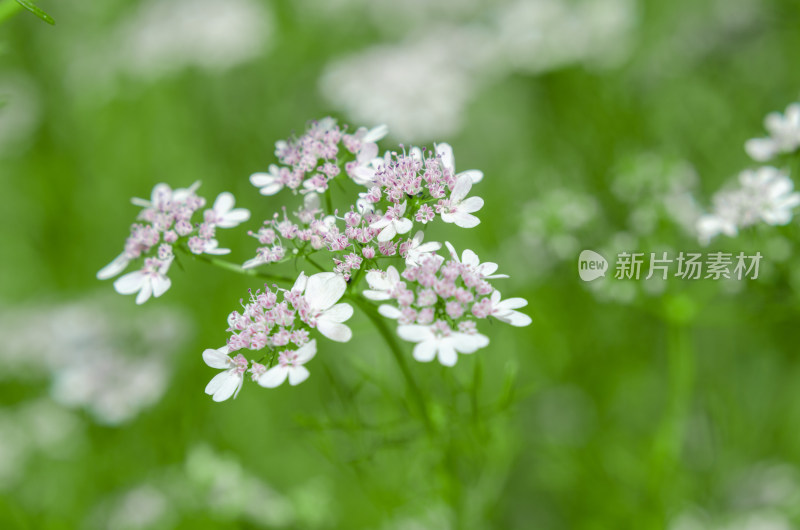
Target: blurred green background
598,124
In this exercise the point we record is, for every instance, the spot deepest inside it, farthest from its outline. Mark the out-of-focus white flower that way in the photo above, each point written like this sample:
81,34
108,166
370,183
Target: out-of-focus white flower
470,259
290,365
438,340
784,135
322,291
151,280
765,194
223,214
445,152
504,310
269,183
458,208
417,250
165,36
381,283
227,383
393,223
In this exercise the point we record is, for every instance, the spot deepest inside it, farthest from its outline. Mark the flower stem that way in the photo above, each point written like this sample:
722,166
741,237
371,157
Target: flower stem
397,353
235,267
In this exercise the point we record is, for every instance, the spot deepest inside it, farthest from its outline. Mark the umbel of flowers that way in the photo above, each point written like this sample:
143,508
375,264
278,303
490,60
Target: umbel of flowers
437,300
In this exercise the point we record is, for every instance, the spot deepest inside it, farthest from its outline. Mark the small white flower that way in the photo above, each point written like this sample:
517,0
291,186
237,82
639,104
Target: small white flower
269,183
381,283
228,383
115,267
417,250
151,280
784,135
391,225
225,215
504,310
438,340
322,291
290,365
162,195
470,259
461,208
445,152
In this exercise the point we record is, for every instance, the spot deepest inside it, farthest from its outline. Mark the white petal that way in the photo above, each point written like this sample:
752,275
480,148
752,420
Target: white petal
515,318
468,343
274,376
228,384
447,353
259,180
376,133
402,225
144,293
470,205
224,202
324,289
470,258
271,189
306,352
511,303
334,331
338,313
464,220
298,374
376,295
130,283
381,223
761,149
234,218
451,248
160,285
217,358
460,190
475,175
445,151
425,351
300,283
414,332
390,311
388,233
113,268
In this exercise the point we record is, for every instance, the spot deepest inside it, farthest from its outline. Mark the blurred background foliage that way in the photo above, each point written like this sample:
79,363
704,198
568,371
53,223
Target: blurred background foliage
601,124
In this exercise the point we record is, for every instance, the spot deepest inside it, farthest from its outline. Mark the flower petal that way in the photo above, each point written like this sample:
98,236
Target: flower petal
298,374
113,268
217,358
338,313
130,283
414,332
425,351
273,377
324,289
306,352
334,330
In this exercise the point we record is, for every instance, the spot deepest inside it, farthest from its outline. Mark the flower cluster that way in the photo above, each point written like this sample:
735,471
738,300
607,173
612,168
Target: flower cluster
439,301
784,135
166,221
282,329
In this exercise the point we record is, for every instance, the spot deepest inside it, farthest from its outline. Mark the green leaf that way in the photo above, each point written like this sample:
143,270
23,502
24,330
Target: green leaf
33,8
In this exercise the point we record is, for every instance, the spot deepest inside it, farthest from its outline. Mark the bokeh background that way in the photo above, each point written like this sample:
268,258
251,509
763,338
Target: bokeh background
601,124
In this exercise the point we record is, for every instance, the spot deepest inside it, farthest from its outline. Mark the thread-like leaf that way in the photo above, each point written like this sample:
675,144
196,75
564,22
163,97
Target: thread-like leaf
33,8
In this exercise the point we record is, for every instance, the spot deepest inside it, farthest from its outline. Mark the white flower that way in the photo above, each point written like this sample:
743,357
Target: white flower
766,194
270,183
381,283
150,280
470,259
372,135
162,195
322,291
290,364
784,135
225,215
460,208
391,225
113,268
445,152
228,383
418,250
504,310
439,340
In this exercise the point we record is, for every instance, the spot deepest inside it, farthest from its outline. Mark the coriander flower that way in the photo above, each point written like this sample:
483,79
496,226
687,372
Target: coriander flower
415,250
119,264
223,214
381,283
270,183
784,135
438,340
228,383
469,259
393,223
321,292
150,281
445,152
290,364
504,310
458,209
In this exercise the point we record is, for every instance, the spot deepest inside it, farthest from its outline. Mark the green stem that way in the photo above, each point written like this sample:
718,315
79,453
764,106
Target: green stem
399,358
235,267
